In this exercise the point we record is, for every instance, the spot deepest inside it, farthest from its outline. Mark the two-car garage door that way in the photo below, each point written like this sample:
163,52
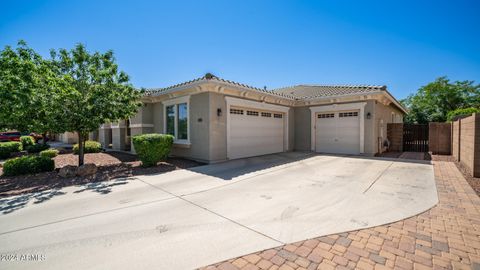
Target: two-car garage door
255,129
337,132
255,132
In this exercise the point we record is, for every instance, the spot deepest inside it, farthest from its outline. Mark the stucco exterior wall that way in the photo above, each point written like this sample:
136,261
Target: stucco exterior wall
147,115
383,116
302,129
142,122
105,136
144,115
199,119
118,138
157,117
137,118
218,128
198,149
68,137
291,129
369,135
93,136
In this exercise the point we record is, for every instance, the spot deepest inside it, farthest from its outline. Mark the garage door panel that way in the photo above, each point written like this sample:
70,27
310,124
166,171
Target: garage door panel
253,135
338,132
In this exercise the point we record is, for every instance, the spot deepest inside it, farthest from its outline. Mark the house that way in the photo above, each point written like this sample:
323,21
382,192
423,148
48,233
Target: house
214,120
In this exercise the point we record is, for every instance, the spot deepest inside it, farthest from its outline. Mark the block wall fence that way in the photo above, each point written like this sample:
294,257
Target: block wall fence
466,143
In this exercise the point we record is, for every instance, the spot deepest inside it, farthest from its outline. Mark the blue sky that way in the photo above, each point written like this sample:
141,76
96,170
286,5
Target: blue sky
403,44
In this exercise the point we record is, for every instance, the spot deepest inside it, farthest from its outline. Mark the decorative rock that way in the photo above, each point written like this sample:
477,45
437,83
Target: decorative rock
87,169
68,171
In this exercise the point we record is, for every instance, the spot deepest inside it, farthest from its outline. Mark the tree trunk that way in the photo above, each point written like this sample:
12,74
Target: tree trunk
44,138
81,145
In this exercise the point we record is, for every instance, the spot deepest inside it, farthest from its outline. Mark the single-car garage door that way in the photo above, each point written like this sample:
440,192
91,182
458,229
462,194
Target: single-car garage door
338,132
255,132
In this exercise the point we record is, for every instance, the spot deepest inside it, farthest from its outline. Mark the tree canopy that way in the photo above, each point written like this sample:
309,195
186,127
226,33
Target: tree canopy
460,112
434,101
73,91
27,90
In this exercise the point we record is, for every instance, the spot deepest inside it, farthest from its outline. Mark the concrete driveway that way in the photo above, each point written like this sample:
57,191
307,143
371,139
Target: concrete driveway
190,218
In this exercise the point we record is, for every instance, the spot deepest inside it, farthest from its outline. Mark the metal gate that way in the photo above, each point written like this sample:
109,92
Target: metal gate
415,137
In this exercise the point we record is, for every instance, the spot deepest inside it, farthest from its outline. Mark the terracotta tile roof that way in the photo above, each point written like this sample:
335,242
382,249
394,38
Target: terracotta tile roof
158,91
206,78
298,92
304,92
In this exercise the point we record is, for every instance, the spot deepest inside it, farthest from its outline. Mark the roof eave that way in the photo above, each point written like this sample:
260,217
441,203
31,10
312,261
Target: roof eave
395,101
223,82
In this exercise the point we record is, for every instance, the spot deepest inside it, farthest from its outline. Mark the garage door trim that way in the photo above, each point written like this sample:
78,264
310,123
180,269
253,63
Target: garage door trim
334,108
238,102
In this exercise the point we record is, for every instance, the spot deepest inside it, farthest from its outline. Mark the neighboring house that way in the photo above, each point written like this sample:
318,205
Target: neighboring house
214,119
68,137
72,137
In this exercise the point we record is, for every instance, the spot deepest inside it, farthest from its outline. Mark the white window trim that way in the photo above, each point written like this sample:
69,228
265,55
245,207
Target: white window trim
238,102
339,107
176,101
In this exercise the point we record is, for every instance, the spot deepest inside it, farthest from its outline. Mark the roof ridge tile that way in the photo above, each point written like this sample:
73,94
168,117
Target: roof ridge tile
153,91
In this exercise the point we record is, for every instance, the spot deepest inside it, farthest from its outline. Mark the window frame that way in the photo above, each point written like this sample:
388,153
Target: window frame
175,102
165,130
177,121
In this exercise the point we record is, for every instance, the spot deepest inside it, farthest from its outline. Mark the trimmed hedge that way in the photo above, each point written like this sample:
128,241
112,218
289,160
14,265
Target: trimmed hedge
37,148
152,148
7,148
26,141
50,153
90,147
27,165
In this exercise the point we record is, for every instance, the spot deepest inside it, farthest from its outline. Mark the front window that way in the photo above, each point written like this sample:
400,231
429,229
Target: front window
177,121
171,120
182,121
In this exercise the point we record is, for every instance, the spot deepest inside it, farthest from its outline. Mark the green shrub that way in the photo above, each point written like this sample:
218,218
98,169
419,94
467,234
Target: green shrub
37,148
152,148
464,111
7,148
50,153
27,165
26,141
90,147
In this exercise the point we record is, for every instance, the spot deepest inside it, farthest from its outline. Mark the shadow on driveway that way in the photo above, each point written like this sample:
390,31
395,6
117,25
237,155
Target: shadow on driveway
11,204
238,167
103,187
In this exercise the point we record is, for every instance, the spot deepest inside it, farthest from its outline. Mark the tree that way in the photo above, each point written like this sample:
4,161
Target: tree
73,91
461,112
17,81
92,91
25,79
435,100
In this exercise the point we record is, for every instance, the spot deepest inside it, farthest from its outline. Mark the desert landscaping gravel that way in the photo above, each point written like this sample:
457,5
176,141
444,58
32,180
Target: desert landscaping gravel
111,165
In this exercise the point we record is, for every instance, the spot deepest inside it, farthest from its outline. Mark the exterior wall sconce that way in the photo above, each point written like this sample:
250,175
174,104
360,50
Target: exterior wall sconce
219,112
369,115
